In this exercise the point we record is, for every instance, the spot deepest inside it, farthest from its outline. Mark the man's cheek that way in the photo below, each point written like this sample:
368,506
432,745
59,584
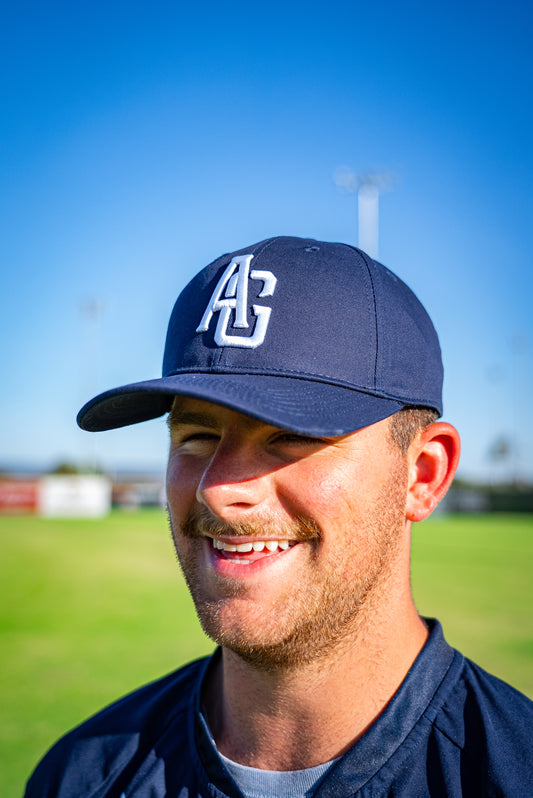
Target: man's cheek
321,495
181,482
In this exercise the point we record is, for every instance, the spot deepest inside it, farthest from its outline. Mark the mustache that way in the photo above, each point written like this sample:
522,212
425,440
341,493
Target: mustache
200,522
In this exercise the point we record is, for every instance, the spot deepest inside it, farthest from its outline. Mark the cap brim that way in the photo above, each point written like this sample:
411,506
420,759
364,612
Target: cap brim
299,405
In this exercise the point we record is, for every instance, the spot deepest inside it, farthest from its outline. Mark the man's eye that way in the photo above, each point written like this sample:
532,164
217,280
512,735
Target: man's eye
194,441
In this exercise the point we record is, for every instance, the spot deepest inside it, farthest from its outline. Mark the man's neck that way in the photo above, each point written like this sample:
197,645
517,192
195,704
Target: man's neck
291,719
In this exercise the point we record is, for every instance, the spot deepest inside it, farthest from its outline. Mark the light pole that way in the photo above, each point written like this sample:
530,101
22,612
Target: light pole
367,187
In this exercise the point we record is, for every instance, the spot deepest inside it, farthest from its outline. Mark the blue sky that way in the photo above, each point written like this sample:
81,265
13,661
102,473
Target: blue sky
141,140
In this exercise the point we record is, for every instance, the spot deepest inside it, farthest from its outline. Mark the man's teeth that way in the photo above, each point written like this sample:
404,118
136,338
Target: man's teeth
257,545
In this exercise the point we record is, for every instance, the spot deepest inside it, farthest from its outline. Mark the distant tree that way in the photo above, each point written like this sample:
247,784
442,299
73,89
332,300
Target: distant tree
70,469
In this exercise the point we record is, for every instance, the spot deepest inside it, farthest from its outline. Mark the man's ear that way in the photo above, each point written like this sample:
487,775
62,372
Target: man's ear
433,458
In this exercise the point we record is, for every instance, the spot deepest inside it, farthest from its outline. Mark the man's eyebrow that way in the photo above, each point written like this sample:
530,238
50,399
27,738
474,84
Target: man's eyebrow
191,418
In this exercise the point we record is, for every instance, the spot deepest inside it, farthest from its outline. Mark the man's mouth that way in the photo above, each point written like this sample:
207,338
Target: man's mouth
250,551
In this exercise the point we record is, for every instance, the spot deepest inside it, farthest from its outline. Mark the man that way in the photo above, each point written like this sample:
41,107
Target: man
303,385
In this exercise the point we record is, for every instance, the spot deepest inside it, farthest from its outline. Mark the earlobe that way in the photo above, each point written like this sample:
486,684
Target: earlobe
433,459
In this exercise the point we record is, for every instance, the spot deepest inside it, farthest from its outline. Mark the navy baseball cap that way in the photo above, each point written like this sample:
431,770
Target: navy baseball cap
313,337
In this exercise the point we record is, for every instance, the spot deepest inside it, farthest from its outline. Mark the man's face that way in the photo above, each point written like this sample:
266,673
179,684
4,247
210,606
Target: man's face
285,540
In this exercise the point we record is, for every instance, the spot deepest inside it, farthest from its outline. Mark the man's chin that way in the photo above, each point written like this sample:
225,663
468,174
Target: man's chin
262,656
284,645
254,643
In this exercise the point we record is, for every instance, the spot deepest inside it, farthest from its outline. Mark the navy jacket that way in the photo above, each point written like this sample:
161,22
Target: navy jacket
451,730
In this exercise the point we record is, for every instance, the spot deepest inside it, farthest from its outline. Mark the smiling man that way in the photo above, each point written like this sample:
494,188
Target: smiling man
302,382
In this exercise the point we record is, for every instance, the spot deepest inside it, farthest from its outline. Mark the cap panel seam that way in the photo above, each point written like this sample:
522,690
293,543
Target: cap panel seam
268,243
375,314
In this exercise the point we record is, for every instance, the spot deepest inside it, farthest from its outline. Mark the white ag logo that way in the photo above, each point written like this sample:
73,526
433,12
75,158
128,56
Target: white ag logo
230,294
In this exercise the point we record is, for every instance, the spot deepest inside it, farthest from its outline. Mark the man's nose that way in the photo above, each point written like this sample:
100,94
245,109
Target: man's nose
235,483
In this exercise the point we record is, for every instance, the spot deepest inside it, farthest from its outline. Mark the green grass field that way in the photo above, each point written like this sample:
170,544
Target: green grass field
93,609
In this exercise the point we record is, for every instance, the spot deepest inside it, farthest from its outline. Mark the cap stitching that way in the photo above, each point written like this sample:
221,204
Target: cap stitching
367,264
372,391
